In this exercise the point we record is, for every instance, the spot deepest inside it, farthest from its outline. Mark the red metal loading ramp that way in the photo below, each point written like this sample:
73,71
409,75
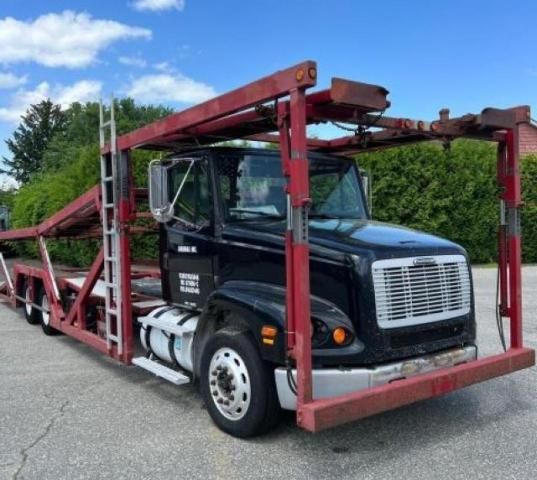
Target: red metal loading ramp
280,103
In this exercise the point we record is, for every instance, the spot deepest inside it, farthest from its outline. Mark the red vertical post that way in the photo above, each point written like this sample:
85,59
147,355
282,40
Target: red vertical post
300,286
513,202
285,151
126,209
501,168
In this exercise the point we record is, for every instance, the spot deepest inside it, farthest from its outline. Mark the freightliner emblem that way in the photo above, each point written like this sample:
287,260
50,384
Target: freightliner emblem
424,261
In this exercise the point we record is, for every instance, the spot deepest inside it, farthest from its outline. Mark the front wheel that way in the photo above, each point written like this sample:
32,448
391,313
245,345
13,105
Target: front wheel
237,385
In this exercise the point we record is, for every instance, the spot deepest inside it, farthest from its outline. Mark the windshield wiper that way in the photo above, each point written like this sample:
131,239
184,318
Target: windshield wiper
323,216
257,213
326,216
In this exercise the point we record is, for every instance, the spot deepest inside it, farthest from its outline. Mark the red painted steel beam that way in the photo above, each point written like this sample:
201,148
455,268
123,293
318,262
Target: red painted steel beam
74,212
272,138
298,249
285,152
503,266
89,338
273,86
78,310
19,233
126,213
513,202
326,413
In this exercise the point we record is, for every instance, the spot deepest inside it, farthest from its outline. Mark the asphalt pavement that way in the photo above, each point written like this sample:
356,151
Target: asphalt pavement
67,412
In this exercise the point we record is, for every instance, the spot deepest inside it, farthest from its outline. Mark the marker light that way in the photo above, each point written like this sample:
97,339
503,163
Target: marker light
339,335
268,334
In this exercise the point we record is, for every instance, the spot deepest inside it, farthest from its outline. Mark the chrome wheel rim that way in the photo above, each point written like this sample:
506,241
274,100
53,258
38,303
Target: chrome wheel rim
229,384
44,314
27,305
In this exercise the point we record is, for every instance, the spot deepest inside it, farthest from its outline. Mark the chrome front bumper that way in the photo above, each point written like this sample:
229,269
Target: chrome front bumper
332,382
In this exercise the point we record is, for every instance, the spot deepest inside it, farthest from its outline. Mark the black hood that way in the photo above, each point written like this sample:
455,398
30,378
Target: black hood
353,236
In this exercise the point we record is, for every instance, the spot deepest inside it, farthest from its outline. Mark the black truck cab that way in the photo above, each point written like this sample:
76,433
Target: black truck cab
392,293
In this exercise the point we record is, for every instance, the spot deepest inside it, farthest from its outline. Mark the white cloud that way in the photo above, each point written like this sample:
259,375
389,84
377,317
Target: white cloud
169,88
8,80
67,39
133,61
157,5
82,91
163,67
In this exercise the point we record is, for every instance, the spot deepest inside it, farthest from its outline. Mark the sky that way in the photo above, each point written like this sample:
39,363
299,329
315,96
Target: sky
465,55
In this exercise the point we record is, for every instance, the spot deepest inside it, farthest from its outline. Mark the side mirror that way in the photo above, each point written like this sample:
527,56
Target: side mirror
159,200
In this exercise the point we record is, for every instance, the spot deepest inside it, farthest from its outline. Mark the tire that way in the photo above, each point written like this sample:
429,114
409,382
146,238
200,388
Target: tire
44,317
255,411
30,313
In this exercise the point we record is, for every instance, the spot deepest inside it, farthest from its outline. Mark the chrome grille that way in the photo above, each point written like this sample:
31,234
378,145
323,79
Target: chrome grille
410,291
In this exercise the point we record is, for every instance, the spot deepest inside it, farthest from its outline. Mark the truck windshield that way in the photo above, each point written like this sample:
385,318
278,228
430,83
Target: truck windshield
252,187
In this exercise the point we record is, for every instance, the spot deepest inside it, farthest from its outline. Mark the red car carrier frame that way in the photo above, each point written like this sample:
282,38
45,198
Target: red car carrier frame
278,109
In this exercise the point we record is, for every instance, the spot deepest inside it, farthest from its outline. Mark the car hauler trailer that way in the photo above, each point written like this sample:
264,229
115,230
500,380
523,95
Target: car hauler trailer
386,317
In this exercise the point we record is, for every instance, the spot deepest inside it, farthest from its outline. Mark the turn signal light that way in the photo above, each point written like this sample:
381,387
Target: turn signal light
339,335
268,333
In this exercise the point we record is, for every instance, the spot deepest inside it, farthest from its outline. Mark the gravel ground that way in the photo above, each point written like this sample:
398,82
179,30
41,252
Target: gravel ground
66,412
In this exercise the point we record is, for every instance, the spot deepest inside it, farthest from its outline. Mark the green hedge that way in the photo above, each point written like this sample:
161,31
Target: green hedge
49,192
451,193
529,210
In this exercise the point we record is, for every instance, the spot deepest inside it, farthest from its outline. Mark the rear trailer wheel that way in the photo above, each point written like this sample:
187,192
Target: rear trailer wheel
45,314
237,385
30,313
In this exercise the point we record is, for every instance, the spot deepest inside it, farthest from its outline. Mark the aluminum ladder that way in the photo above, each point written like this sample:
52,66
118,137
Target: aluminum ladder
110,222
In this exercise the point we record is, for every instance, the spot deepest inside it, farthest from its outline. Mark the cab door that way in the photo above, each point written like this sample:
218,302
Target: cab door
187,261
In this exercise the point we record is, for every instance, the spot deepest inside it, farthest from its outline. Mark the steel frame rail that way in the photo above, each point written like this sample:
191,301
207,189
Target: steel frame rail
277,108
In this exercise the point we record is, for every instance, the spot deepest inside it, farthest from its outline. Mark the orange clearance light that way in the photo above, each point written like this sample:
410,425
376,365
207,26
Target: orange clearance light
299,75
312,72
268,333
339,335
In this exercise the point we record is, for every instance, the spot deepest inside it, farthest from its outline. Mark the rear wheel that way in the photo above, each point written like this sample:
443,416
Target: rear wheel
30,313
237,385
45,314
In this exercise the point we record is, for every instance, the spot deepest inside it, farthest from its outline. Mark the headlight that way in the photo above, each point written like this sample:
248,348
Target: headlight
320,333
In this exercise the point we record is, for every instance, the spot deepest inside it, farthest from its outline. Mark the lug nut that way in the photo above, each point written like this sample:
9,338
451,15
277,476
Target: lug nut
231,398
226,403
219,367
220,400
215,393
214,372
213,382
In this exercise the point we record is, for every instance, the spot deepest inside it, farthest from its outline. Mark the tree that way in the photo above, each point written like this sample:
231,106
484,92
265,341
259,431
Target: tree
31,138
82,128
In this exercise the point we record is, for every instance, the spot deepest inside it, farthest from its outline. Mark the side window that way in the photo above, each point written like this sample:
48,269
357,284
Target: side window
252,187
334,193
194,204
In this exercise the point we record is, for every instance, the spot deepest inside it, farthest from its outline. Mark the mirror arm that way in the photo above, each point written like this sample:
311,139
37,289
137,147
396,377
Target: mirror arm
176,197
